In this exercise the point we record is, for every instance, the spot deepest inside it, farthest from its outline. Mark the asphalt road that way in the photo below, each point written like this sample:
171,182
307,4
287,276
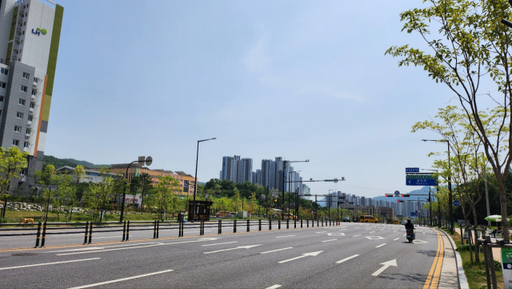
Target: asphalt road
352,255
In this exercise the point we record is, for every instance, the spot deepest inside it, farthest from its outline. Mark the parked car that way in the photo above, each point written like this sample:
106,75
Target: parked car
346,219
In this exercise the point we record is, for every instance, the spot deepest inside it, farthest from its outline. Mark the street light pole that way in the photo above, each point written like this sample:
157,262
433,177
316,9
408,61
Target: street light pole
285,165
195,180
450,195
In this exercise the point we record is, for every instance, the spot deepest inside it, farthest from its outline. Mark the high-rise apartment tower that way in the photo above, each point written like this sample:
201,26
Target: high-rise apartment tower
29,43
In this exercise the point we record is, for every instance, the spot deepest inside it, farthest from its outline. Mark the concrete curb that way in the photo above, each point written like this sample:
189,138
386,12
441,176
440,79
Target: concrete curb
463,281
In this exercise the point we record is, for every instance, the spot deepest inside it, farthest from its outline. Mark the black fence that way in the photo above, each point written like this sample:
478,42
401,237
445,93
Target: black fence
44,231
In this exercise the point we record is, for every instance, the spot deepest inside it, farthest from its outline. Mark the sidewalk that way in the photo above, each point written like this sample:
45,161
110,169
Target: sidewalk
452,273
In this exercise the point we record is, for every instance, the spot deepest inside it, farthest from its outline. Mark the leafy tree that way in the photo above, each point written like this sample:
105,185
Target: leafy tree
165,198
12,162
47,179
469,49
100,194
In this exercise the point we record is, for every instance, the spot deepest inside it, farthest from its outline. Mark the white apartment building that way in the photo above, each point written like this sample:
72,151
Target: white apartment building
29,42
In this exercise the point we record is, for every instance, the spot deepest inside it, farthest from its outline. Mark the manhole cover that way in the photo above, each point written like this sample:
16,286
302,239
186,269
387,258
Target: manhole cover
24,254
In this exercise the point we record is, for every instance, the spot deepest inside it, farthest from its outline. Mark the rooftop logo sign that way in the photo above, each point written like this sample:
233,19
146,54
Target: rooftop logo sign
38,31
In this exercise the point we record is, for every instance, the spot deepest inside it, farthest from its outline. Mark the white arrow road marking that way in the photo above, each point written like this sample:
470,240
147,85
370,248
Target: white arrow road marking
346,259
385,266
335,234
231,249
276,250
311,254
420,242
374,238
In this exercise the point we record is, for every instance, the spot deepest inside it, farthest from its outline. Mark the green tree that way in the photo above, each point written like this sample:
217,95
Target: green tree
469,49
100,194
47,179
12,162
165,196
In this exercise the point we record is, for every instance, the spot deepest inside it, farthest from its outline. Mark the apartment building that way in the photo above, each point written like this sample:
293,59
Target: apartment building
29,43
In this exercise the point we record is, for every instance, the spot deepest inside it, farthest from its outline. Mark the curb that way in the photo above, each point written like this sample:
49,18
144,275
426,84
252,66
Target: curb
463,281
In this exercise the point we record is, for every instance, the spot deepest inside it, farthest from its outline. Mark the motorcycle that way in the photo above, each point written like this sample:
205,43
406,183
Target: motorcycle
410,235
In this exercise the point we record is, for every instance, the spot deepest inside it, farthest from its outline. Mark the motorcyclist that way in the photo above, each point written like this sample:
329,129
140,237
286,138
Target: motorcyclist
409,226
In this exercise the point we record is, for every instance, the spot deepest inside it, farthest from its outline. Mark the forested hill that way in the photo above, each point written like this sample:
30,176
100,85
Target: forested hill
57,163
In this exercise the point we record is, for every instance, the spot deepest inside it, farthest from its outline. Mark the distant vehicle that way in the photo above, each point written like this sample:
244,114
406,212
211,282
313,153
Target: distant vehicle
396,222
404,222
368,219
346,219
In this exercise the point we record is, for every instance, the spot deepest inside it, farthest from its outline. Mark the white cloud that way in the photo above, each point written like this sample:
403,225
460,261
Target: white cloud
256,59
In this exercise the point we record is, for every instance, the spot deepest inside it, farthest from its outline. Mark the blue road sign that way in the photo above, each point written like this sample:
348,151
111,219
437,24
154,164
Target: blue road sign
397,193
420,180
414,214
412,170
456,203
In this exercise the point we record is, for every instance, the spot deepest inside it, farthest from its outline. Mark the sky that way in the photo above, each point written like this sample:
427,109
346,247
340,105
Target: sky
302,80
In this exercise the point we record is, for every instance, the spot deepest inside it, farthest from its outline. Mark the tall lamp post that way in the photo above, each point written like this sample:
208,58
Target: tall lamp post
285,166
195,179
450,195
142,160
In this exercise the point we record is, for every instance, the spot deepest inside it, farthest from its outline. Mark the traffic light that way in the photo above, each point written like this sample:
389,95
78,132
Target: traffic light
405,196
389,195
400,201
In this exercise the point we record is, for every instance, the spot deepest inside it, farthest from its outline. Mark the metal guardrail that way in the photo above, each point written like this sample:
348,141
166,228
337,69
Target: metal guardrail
43,229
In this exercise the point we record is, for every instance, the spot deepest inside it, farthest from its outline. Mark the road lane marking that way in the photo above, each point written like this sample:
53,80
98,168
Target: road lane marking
321,232
231,249
329,240
356,235
51,263
385,266
378,246
274,286
278,237
346,259
288,248
311,254
108,250
122,279
396,239
219,244
435,271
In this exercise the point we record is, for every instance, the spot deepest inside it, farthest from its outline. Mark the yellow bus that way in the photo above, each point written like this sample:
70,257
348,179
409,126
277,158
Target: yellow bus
368,219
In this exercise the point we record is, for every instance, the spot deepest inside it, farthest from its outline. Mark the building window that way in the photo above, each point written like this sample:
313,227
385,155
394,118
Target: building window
30,117
29,131
34,92
17,128
3,84
26,144
4,71
24,88
1,99
32,104
26,75
19,115
36,80
15,142
21,101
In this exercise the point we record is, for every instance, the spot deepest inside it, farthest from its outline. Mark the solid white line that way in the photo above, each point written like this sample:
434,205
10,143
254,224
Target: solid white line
321,232
276,250
219,244
380,245
52,263
274,286
79,249
346,259
285,236
114,249
121,280
329,240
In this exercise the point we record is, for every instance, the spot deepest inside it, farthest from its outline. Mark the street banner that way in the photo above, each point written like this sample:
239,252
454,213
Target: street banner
506,265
